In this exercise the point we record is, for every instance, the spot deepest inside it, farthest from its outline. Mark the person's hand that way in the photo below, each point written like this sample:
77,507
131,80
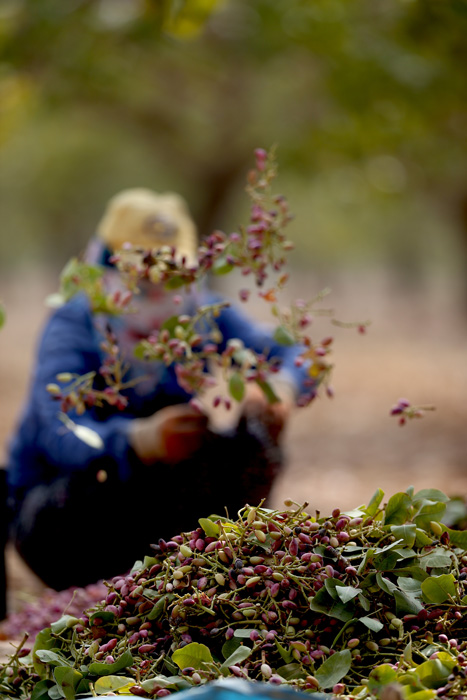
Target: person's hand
171,435
273,415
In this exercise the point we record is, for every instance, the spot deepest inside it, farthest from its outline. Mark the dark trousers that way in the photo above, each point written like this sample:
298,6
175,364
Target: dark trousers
78,530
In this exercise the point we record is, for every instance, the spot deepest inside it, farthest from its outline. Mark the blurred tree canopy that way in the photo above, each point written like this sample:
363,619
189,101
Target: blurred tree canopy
363,96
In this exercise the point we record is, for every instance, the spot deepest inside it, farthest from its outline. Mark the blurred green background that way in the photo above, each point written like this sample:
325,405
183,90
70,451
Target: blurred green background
365,100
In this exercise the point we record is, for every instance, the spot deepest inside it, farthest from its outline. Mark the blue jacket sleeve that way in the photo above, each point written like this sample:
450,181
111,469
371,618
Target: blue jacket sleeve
69,343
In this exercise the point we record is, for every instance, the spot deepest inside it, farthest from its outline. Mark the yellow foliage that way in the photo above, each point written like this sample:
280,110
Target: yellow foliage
186,19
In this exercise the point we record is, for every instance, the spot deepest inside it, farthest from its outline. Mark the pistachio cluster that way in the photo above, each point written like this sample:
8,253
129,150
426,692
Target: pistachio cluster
405,410
80,392
258,250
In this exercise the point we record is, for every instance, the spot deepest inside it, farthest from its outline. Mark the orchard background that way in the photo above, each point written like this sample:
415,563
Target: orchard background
367,106
341,449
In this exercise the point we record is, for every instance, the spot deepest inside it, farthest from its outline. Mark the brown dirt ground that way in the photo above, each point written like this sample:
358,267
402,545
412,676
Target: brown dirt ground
339,450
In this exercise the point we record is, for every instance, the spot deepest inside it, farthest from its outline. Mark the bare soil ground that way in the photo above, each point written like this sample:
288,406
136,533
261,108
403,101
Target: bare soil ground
339,450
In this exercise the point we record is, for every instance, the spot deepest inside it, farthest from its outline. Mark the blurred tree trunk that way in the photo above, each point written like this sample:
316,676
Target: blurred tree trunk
218,185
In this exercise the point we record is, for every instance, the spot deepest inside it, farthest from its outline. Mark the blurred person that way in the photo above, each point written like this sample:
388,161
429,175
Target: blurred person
81,513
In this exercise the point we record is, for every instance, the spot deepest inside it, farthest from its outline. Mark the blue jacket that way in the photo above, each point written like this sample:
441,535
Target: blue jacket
43,449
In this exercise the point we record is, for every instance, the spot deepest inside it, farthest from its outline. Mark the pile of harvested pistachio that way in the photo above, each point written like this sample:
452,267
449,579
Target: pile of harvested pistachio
351,604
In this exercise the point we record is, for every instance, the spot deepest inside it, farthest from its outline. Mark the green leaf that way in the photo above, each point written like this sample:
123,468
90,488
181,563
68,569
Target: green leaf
409,585
420,694
398,509
55,693
79,276
229,646
151,685
415,572
429,650
243,633
75,272
268,391
407,654
222,267
170,324
2,315
406,552
285,653
457,537
323,603
149,561
174,282
387,548
436,559
291,672
383,558
159,608
51,658
433,672
364,602
431,495
439,589
193,654
369,553
226,522
330,585
386,561
283,336
140,350
456,511
422,539
244,357
41,690
236,386
211,529
369,581
385,584
44,640
101,617
65,622
171,667
123,661
407,603
371,623
109,684
235,658
380,676
334,668
347,593
67,679
406,533
375,503
430,511
356,512
83,685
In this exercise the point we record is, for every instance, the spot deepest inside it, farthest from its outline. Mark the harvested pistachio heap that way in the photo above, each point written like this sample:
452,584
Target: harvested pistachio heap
349,604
